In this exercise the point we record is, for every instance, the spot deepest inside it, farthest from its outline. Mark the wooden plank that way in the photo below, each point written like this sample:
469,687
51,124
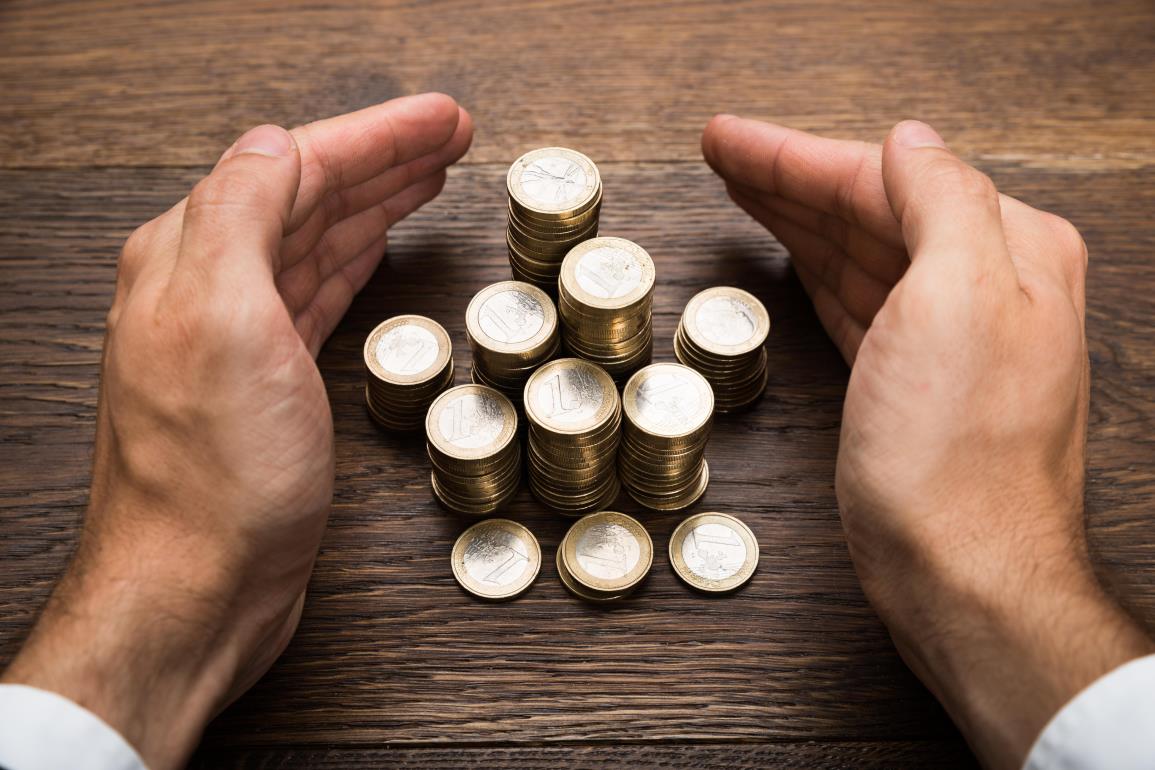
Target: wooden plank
148,82
797,756
391,651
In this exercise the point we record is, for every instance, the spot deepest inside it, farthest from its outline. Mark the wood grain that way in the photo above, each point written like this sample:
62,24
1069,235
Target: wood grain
112,110
109,82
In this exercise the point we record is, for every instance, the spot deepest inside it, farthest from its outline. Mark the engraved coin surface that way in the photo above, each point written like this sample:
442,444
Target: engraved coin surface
608,551
713,552
553,180
727,321
471,421
607,273
668,399
407,349
570,394
496,559
511,317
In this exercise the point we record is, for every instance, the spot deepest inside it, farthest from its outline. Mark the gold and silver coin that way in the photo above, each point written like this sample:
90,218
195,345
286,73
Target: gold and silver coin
471,434
574,413
722,335
668,410
605,300
555,196
408,363
512,327
713,552
496,559
604,556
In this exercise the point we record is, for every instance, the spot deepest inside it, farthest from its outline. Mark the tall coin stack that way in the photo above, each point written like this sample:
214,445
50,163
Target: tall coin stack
555,196
471,432
605,299
722,335
512,329
668,411
574,413
408,361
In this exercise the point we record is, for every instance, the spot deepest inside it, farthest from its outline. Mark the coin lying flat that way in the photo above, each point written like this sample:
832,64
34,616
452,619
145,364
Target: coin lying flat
408,362
604,556
713,552
722,334
496,559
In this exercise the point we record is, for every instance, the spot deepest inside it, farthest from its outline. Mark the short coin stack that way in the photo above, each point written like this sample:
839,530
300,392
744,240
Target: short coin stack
555,196
604,556
668,412
605,299
574,413
512,329
722,335
472,442
408,361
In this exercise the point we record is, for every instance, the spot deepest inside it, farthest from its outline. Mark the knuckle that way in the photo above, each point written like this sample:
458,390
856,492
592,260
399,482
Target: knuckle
1070,241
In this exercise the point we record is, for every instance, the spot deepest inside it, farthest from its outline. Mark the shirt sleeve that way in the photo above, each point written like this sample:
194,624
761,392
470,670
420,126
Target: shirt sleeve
1109,725
40,730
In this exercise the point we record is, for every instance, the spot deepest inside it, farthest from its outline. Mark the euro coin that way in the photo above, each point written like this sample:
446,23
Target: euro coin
496,559
722,335
713,552
605,556
408,363
512,327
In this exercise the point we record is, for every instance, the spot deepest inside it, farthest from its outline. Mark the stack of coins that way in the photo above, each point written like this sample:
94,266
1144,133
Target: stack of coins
574,413
713,552
512,330
409,361
472,442
722,335
668,411
555,196
604,556
496,559
605,299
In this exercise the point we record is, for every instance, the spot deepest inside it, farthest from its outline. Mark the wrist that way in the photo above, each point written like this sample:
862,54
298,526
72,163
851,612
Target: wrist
1004,643
138,641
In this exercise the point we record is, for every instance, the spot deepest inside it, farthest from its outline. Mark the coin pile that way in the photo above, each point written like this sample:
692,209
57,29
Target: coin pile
408,361
722,335
496,559
604,556
555,196
512,329
574,413
668,411
471,433
713,552
605,299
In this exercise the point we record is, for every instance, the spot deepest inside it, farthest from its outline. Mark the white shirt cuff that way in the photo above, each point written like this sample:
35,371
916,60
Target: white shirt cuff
40,730
1109,725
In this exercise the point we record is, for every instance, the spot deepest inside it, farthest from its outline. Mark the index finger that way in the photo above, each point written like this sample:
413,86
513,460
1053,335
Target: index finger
841,178
346,150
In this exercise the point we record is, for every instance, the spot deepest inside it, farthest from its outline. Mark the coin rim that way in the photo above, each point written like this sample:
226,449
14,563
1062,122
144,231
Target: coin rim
709,585
549,326
458,553
627,581
604,411
630,393
508,428
444,351
689,321
517,191
567,277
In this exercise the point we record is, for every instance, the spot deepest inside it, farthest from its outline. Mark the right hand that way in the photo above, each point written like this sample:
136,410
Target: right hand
960,465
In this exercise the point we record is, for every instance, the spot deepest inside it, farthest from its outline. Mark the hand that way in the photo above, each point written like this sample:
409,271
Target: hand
213,471
960,465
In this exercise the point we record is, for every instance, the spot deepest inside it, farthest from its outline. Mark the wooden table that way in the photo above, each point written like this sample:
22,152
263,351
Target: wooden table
110,112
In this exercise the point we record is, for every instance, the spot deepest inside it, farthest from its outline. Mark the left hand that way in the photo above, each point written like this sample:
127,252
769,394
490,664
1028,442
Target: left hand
214,468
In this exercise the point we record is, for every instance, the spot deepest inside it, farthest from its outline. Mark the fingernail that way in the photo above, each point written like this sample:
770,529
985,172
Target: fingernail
915,134
272,141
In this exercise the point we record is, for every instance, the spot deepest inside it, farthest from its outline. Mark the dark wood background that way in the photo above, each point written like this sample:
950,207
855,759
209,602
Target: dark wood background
111,110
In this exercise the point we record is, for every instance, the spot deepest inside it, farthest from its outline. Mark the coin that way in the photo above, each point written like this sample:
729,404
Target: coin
713,552
471,432
606,555
512,329
722,335
668,400
496,559
408,362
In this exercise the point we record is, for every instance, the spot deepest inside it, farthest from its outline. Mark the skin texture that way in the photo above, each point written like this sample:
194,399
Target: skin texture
213,471
960,469
961,459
